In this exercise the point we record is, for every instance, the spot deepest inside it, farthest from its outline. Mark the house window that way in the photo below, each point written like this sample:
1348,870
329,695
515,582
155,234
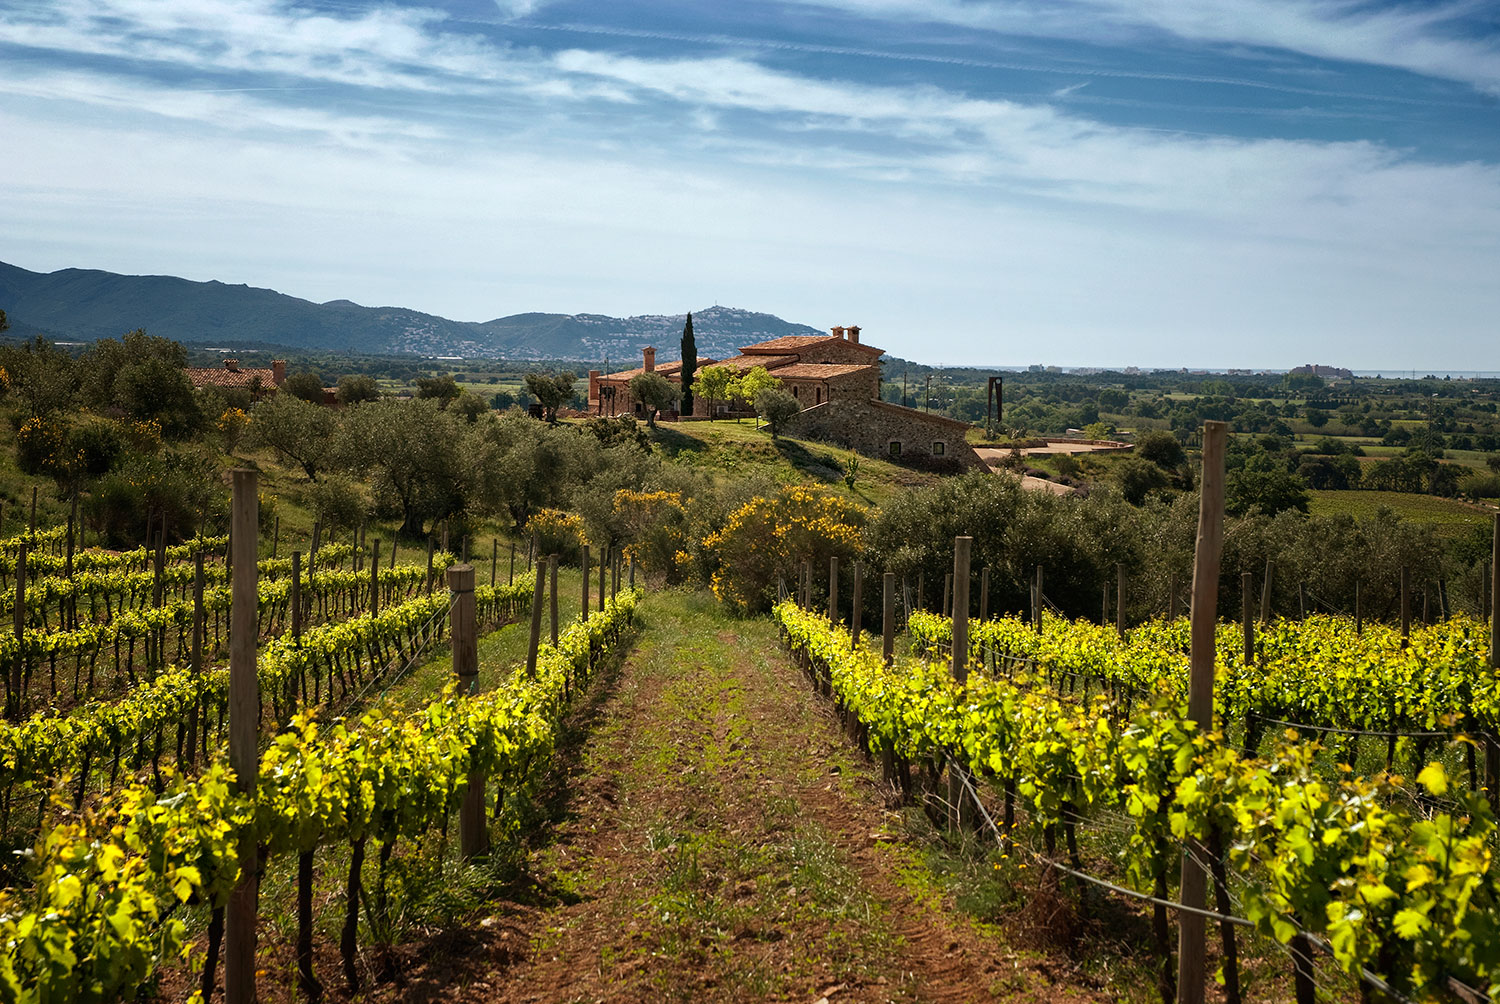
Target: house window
895,447
938,448
796,391
819,392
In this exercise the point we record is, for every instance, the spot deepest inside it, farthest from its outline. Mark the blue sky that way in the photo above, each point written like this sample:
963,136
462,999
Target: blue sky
1074,182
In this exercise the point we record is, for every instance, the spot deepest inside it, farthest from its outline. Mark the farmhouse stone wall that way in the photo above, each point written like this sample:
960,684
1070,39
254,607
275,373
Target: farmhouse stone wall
870,427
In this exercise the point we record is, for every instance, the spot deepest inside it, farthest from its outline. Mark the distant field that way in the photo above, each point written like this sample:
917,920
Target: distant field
1451,516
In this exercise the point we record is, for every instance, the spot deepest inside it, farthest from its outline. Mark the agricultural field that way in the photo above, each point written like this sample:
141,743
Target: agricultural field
704,791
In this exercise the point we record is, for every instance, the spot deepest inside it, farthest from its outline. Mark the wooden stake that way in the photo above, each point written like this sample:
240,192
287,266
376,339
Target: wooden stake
1191,927
296,598
947,608
464,639
537,597
984,594
429,566
494,559
1172,597
244,730
1247,616
888,617
856,609
1265,592
17,674
584,564
604,560
1041,597
1120,598
833,589
197,664
959,661
1405,606
512,579
552,572
276,536
375,577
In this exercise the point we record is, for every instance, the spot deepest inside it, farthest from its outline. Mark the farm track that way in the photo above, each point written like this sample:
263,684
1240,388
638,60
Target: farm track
711,836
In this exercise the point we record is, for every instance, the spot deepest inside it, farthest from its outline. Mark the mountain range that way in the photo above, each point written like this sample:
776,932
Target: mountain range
88,304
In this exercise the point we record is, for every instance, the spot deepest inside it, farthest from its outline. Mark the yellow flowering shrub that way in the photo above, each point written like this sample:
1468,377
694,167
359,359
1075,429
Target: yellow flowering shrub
557,532
769,538
655,526
231,425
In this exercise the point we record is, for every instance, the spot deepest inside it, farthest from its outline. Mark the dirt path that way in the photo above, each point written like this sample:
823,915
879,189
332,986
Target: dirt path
717,839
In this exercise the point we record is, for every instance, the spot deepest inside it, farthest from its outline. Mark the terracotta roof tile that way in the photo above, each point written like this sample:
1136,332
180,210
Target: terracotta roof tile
218,376
820,371
743,363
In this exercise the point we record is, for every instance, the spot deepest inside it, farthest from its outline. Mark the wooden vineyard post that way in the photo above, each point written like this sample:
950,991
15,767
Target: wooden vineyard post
196,666
806,584
1103,604
921,576
959,665
632,571
395,544
494,559
959,662
855,609
464,635
375,577
17,673
312,551
1192,927
551,572
888,617
537,596
947,608
1040,598
1265,592
984,594
244,731
584,564
1405,606
833,589
512,579
605,557
1120,599
276,536
295,601
429,567
1247,615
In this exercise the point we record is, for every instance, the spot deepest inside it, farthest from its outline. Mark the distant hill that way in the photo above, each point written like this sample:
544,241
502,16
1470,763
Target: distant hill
88,304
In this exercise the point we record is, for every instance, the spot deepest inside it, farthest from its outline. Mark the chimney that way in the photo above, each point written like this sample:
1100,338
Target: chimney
278,371
648,359
232,365
854,333
838,332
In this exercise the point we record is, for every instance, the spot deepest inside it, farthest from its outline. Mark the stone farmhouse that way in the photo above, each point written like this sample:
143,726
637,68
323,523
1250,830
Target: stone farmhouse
836,377
257,380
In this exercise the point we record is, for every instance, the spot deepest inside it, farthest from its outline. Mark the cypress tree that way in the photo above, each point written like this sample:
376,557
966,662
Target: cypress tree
689,365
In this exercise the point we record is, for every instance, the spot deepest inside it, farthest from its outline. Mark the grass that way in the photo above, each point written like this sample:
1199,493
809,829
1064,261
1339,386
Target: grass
1450,516
731,449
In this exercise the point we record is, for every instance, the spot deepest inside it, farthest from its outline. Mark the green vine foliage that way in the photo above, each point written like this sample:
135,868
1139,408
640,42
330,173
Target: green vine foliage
1318,671
1410,894
99,921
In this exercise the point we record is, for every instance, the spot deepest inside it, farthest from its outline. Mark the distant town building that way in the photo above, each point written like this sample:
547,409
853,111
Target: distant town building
1327,372
256,379
836,377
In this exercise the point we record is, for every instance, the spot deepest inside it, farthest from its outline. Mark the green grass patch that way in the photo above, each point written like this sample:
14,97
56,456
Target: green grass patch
1450,516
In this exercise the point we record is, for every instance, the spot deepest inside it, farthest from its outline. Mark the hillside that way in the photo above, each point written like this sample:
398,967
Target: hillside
87,304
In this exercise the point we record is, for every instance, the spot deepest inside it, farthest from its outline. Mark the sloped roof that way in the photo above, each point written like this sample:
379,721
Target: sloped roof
218,376
820,371
793,343
668,369
743,362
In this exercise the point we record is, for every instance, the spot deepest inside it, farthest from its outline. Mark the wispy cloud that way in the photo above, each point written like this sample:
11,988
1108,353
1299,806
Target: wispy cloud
1425,39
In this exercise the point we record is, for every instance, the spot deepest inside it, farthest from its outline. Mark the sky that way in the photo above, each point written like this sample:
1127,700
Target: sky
1203,183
